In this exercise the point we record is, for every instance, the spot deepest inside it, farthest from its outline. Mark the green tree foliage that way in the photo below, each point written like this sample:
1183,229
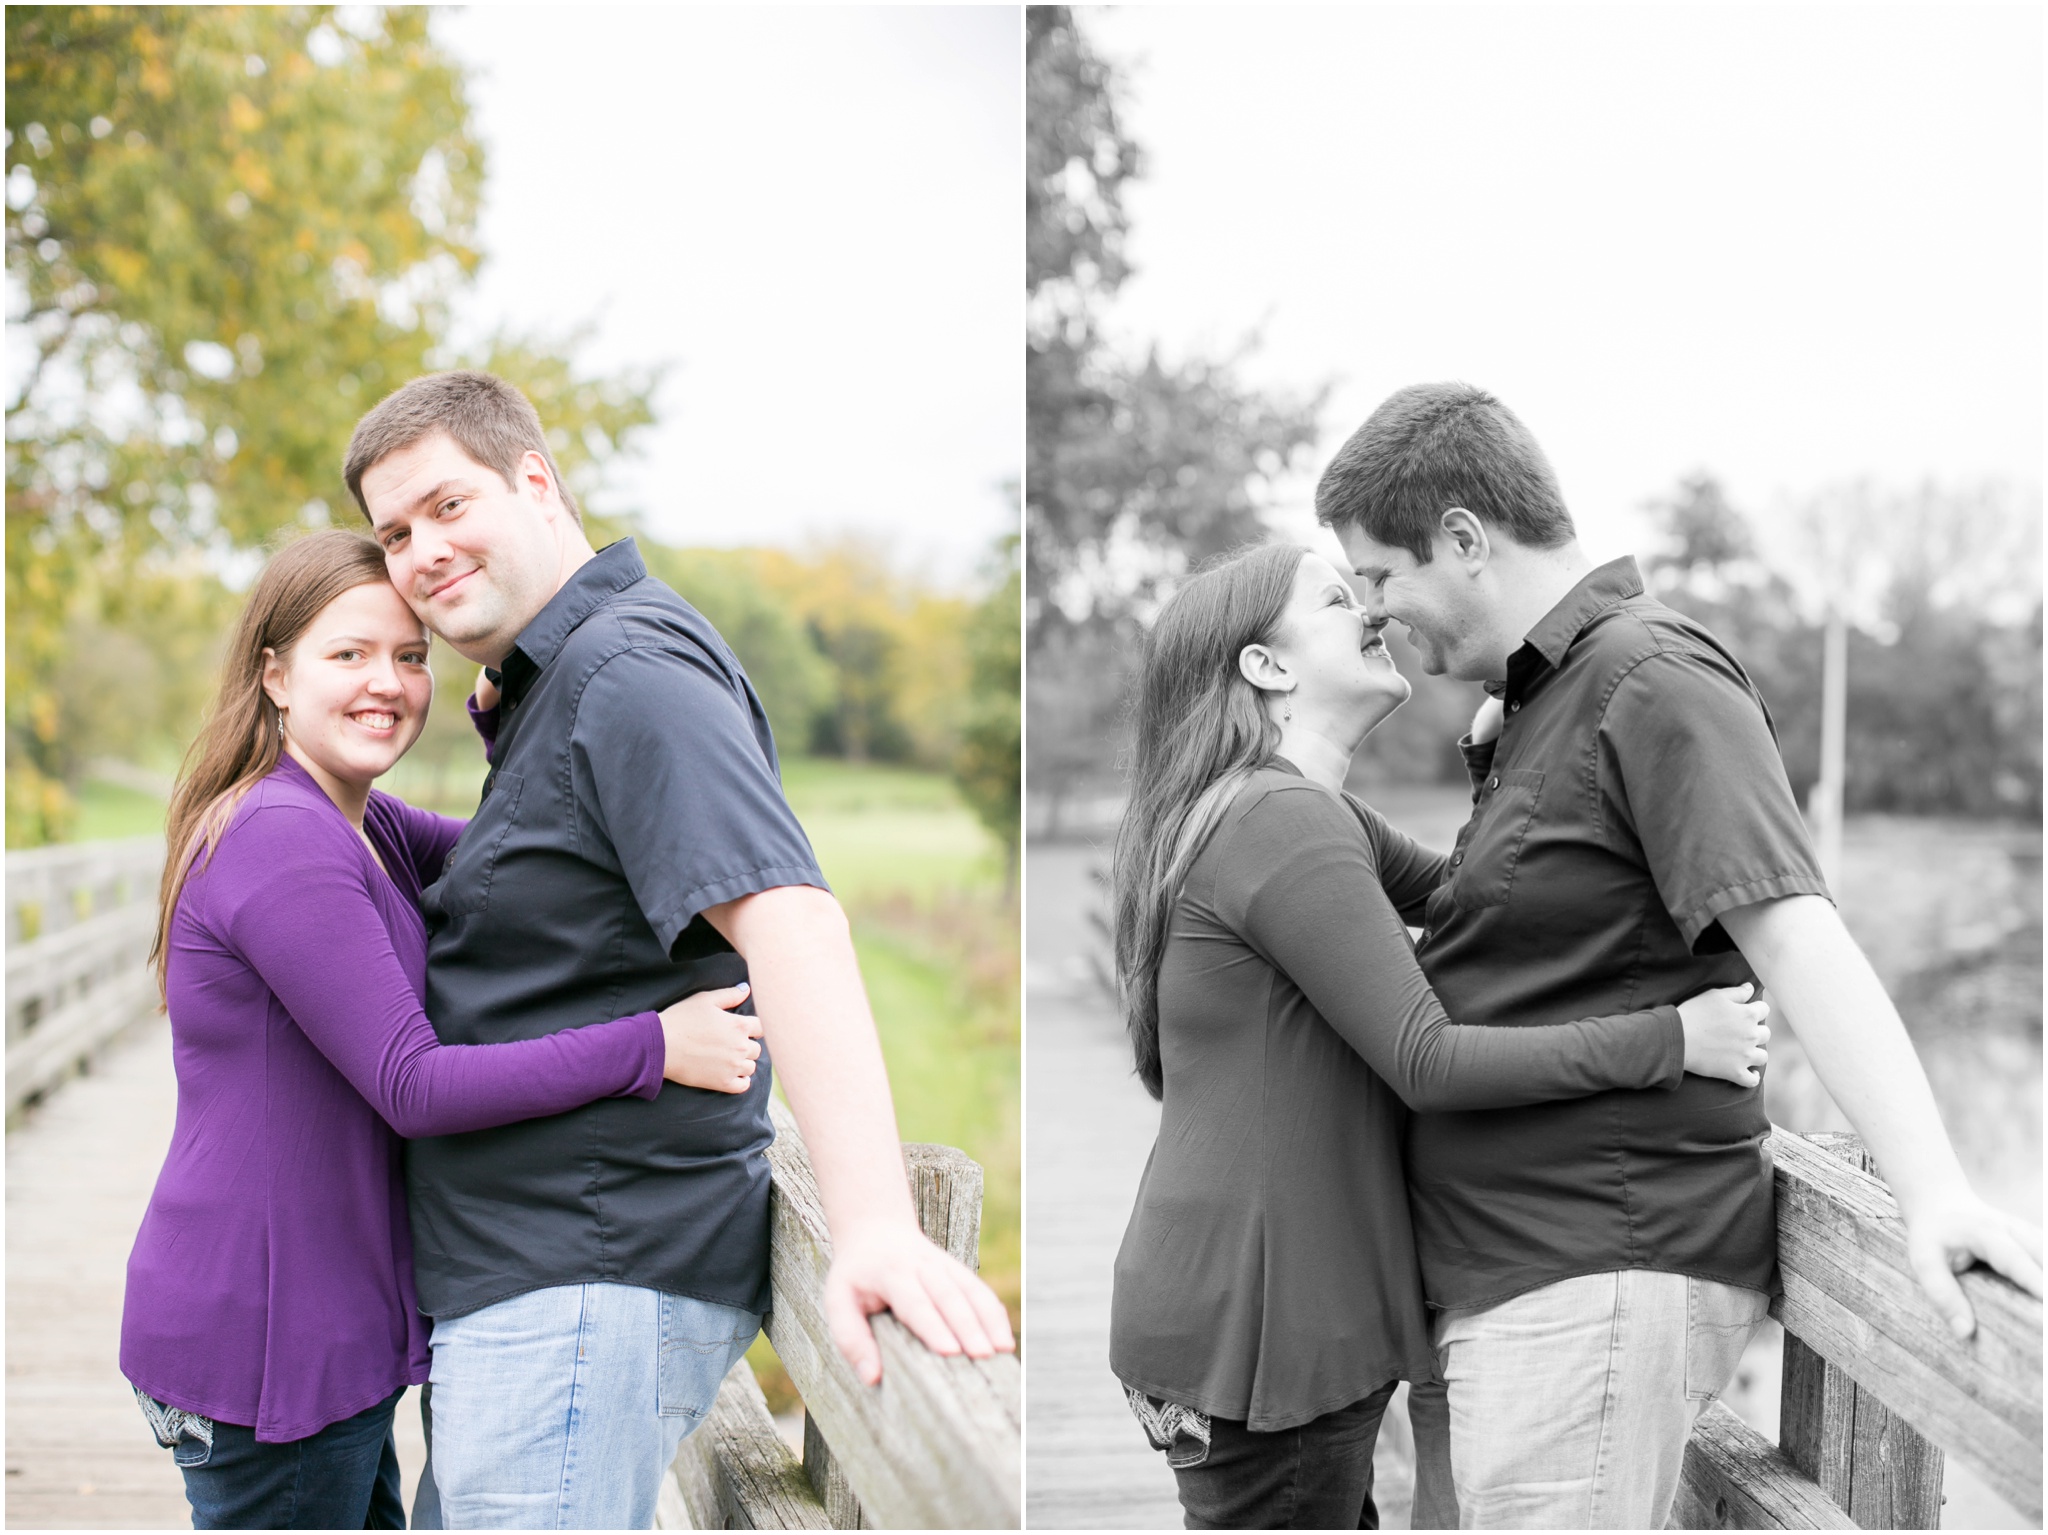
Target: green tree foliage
768,636
1135,470
230,230
989,764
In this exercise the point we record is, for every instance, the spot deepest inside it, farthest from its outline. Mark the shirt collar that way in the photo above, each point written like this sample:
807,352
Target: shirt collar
607,573
1600,589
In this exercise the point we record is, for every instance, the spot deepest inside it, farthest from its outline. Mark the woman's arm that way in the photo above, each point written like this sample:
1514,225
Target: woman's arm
292,899
1300,887
426,839
1409,873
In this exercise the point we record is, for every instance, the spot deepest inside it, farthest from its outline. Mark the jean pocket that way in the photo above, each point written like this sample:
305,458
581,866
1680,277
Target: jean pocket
700,1343
187,1435
1720,1319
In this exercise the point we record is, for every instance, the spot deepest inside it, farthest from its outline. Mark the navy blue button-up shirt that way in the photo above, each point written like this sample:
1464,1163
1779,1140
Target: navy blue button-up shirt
635,784
1635,795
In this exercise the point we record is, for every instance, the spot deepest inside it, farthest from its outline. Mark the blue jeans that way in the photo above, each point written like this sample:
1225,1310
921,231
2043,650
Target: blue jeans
1315,1477
562,1409
343,1478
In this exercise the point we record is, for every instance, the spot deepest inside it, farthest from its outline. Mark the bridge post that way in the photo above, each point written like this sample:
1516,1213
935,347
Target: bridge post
1864,1456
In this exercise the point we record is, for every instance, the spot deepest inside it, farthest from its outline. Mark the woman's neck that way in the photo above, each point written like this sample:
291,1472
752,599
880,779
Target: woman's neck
1321,758
351,799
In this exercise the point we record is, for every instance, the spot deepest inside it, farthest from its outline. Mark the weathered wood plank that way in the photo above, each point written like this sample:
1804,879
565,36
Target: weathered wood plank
735,1473
1735,1479
946,1187
828,1480
116,939
936,1445
45,879
1850,1296
79,1174
1864,1456
51,1051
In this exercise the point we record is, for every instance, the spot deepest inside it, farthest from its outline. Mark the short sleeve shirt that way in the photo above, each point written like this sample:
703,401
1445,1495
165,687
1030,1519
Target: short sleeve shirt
1635,795
634,783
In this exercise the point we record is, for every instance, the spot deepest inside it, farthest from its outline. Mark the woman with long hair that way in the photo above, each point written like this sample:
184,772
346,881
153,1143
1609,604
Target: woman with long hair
270,1323
1267,1297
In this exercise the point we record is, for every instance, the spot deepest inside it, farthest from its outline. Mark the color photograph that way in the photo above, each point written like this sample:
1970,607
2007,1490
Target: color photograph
512,767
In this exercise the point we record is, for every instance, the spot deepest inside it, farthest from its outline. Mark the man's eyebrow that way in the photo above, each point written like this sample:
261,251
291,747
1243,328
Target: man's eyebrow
426,497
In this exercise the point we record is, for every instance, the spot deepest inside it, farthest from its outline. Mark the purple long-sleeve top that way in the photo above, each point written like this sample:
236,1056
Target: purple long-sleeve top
271,1284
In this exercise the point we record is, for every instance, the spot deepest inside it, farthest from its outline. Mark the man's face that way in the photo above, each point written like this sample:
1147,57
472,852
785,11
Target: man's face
1437,603
475,558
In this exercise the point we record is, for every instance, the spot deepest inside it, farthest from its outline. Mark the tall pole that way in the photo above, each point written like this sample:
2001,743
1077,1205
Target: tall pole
1827,794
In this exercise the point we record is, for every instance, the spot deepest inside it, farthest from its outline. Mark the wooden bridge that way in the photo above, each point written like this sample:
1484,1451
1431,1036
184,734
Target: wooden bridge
936,1445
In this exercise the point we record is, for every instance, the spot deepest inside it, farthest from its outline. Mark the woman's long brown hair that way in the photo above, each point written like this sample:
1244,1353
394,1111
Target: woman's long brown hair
240,741
1202,730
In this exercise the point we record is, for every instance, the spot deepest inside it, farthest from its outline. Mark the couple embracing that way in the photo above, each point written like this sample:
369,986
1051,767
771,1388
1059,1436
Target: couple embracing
484,1106
1523,1164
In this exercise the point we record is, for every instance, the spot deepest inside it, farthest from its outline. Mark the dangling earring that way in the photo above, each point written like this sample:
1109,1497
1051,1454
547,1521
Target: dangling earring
281,713
1286,709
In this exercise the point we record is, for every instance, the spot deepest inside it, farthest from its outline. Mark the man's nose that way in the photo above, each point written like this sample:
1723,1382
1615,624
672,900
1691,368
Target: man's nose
427,547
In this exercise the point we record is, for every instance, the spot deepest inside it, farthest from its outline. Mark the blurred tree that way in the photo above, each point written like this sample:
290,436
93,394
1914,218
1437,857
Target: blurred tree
989,764
229,231
765,632
1134,471
1944,670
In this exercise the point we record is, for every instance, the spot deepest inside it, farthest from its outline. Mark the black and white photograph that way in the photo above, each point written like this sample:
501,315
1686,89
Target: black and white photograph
1533,653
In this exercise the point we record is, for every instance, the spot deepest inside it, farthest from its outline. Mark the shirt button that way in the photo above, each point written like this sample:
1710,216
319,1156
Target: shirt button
1456,859
1514,708
1495,784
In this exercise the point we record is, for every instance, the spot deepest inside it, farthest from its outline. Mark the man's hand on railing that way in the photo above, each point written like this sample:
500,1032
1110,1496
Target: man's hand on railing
931,1292
1946,1235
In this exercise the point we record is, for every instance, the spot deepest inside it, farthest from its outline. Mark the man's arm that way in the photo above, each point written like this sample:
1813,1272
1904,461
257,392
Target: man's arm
1823,984
814,1012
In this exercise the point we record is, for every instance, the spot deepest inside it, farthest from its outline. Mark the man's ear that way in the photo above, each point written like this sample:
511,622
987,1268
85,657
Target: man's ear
535,479
1265,671
1467,535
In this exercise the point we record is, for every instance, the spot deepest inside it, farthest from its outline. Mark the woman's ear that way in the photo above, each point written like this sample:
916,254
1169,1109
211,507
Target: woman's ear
1265,671
273,677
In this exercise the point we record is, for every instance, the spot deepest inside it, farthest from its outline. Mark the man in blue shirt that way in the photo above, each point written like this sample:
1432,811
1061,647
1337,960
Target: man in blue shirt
1599,1264
593,1275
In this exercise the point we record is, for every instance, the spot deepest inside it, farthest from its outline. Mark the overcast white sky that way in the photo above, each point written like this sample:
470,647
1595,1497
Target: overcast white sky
814,214
1789,245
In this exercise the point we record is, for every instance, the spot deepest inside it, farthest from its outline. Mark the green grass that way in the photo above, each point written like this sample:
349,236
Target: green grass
108,811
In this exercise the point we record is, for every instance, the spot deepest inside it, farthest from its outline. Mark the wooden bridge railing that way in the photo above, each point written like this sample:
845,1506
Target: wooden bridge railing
937,1445
79,921
1876,1389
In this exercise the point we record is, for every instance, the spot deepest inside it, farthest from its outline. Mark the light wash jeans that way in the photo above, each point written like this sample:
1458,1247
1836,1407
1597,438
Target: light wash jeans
562,1409
1571,1404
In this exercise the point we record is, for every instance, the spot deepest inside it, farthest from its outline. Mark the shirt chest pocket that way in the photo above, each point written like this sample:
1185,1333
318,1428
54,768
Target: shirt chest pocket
1486,869
464,888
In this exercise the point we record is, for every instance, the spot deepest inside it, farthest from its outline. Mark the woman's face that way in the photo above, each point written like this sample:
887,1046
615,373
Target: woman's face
1337,658
356,688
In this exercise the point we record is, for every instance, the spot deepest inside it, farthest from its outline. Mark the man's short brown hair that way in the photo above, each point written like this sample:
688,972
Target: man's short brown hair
1431,447
494,423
